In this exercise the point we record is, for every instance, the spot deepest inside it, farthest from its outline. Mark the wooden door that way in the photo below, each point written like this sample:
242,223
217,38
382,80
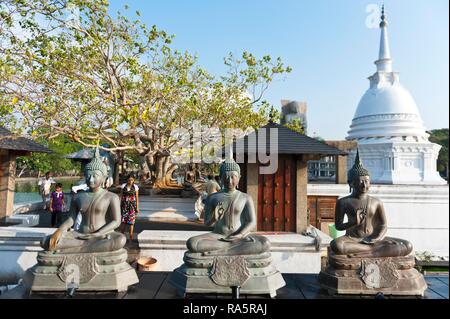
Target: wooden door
277,198
321,211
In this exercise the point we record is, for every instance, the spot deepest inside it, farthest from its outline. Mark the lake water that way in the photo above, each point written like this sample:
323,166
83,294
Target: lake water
28,191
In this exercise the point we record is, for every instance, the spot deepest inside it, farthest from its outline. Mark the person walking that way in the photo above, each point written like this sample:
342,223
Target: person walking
129,205
57,205
45,184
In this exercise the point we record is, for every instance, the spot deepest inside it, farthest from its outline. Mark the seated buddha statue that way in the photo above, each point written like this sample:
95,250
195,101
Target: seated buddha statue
232,213
100,211
366,226
168,179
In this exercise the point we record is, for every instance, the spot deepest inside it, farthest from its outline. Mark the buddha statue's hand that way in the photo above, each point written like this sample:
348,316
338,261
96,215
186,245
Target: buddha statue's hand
234,237
54,239
90,236
368,241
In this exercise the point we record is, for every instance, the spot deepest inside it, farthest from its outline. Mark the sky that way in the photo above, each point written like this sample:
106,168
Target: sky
331,46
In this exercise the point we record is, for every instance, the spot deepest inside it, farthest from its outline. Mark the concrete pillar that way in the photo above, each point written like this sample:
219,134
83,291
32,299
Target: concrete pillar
7,183
302,195
252,183
341,169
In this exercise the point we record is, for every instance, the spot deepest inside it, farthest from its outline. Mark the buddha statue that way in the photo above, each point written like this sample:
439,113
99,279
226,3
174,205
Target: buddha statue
232,213
366,225
231,258
100,212
90,258
364,261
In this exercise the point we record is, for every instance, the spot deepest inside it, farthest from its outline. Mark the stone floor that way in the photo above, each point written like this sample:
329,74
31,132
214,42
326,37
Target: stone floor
155,285
45,221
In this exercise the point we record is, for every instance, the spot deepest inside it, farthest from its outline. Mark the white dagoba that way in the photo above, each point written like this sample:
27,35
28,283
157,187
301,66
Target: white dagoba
392,140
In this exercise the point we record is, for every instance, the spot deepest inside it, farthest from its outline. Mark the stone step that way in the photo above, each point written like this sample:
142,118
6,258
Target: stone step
291,253
166,215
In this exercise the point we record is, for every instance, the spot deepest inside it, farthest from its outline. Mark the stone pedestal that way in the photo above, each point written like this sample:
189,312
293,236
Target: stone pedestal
369,276
107,271
206,274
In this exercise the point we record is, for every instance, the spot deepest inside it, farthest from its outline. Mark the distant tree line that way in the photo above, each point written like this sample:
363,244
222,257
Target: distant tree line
440,137
38,164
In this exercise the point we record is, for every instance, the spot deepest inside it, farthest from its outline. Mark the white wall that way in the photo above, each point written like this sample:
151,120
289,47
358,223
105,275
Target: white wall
19,247
418,213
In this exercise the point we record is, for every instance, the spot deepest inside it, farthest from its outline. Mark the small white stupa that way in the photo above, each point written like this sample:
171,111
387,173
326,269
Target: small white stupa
392,140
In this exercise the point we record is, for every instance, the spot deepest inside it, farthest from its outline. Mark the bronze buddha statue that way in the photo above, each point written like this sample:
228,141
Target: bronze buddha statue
232,213
100,210
231,257
366,225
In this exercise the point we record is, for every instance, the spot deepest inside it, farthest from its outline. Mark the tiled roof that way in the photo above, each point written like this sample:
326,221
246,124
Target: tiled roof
9,141
289,142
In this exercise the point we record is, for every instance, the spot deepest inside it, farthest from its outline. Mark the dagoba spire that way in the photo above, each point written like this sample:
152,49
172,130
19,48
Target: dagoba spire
384,62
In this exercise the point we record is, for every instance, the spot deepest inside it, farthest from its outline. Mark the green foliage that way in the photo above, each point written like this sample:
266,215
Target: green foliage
39,163
441,137
296,125
110,80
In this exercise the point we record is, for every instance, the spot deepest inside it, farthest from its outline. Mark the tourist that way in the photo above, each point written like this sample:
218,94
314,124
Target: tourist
57,205
129,205
211,187
45,184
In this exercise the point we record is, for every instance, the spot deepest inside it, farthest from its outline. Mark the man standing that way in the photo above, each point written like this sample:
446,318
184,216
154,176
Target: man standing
45,184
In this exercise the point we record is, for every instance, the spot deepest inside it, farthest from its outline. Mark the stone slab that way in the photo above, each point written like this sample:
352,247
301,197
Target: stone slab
369,276
410,283
19,247
163,209
24,220
119,281
291,253
107,271
198,281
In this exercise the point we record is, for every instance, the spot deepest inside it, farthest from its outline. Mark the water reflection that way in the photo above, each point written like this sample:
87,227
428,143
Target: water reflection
28,190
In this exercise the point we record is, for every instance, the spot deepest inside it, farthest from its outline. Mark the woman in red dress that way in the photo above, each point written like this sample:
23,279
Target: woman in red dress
129,205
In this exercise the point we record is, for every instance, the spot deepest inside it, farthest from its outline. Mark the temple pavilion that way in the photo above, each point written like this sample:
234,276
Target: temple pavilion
11,147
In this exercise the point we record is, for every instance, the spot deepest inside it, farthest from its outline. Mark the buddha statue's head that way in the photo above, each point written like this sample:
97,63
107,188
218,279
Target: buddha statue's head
95,172
358,176
230,173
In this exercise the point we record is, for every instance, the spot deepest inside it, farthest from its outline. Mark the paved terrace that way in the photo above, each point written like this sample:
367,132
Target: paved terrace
155,285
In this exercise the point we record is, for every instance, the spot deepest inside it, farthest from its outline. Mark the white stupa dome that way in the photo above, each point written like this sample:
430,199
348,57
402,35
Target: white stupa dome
387,99
386,110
